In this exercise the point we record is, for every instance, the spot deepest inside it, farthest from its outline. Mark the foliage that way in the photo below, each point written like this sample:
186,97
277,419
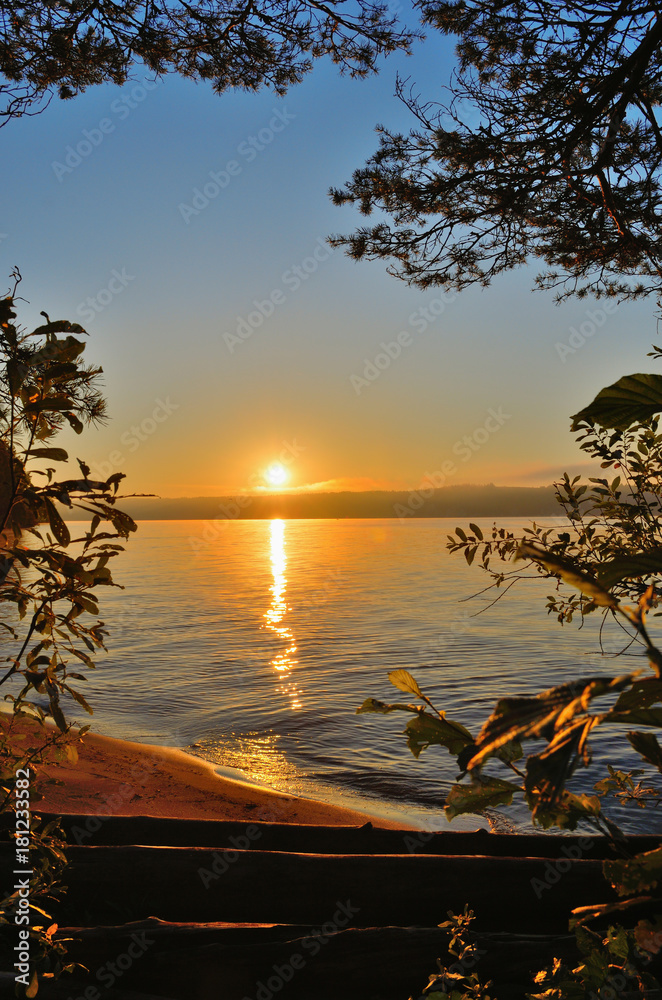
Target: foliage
457,981
65,48
605,559
547,146
48,582
611,539
610,963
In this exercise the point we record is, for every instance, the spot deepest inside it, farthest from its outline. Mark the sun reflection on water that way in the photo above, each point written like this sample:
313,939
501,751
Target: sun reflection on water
258,756
285,660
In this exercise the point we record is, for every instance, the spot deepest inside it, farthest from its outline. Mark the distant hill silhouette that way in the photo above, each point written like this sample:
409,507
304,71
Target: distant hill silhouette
449,501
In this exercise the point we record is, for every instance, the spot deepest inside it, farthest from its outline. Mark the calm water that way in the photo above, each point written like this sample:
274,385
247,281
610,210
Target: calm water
253,649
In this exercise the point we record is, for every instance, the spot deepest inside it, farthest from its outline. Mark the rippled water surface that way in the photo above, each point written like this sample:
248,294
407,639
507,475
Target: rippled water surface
254,647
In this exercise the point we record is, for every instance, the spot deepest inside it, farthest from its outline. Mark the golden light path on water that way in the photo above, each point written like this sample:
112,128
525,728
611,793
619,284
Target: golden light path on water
284,661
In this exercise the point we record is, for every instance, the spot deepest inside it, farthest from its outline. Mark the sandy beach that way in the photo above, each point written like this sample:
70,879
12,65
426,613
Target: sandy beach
120,778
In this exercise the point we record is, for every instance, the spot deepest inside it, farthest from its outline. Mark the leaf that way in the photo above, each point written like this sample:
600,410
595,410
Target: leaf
648,936
478,796
569,573
74,422
642,694
476,530
565,812
58,527
636,717
77,696
33,987
59,718
647,747
372,705
635,874
55,347
404,681
16,372
57,454
633,399
627,567
425,730
539,715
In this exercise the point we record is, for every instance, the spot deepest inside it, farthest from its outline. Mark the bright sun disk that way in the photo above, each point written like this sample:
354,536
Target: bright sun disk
276,475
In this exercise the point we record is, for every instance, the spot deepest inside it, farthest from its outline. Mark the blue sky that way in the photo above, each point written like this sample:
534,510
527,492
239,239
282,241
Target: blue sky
107,217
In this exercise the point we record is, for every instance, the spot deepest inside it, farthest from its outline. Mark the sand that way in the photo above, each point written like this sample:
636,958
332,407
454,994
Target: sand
119,778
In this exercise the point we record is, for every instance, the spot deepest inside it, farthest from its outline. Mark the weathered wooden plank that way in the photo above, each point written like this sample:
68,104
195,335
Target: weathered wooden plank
199,962
148,830
239,962
117,884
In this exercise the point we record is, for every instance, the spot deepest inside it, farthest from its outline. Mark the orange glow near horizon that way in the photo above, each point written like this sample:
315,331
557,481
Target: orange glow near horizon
275,615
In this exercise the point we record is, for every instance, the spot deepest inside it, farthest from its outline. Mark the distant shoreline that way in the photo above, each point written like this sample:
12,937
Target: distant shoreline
425,502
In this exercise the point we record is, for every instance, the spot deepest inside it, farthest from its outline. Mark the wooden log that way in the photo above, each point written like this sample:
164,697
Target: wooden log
65,989
117,884
147,830
391,963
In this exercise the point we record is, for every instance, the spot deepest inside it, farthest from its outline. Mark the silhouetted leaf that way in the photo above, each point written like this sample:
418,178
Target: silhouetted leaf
642,694
57,454
633,399
58,527
566,811
480,795
74,422
636,717
539,715
548,771
569,573
372,705
77,696
56,712
635,874
630,566
647,747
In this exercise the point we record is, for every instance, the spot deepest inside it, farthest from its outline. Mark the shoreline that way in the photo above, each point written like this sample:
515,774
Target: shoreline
120,778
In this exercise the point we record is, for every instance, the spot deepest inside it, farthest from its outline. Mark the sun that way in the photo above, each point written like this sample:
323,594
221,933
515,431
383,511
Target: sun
276,474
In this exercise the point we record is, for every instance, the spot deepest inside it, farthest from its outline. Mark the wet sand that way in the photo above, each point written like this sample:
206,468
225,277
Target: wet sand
119,778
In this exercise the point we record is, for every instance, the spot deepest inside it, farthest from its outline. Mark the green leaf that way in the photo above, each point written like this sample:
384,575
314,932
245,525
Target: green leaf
404,681
627,567
566,811
631,400
479,795
425,730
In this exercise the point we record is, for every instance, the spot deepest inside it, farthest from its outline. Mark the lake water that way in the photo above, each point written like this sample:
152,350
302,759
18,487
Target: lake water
253,646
